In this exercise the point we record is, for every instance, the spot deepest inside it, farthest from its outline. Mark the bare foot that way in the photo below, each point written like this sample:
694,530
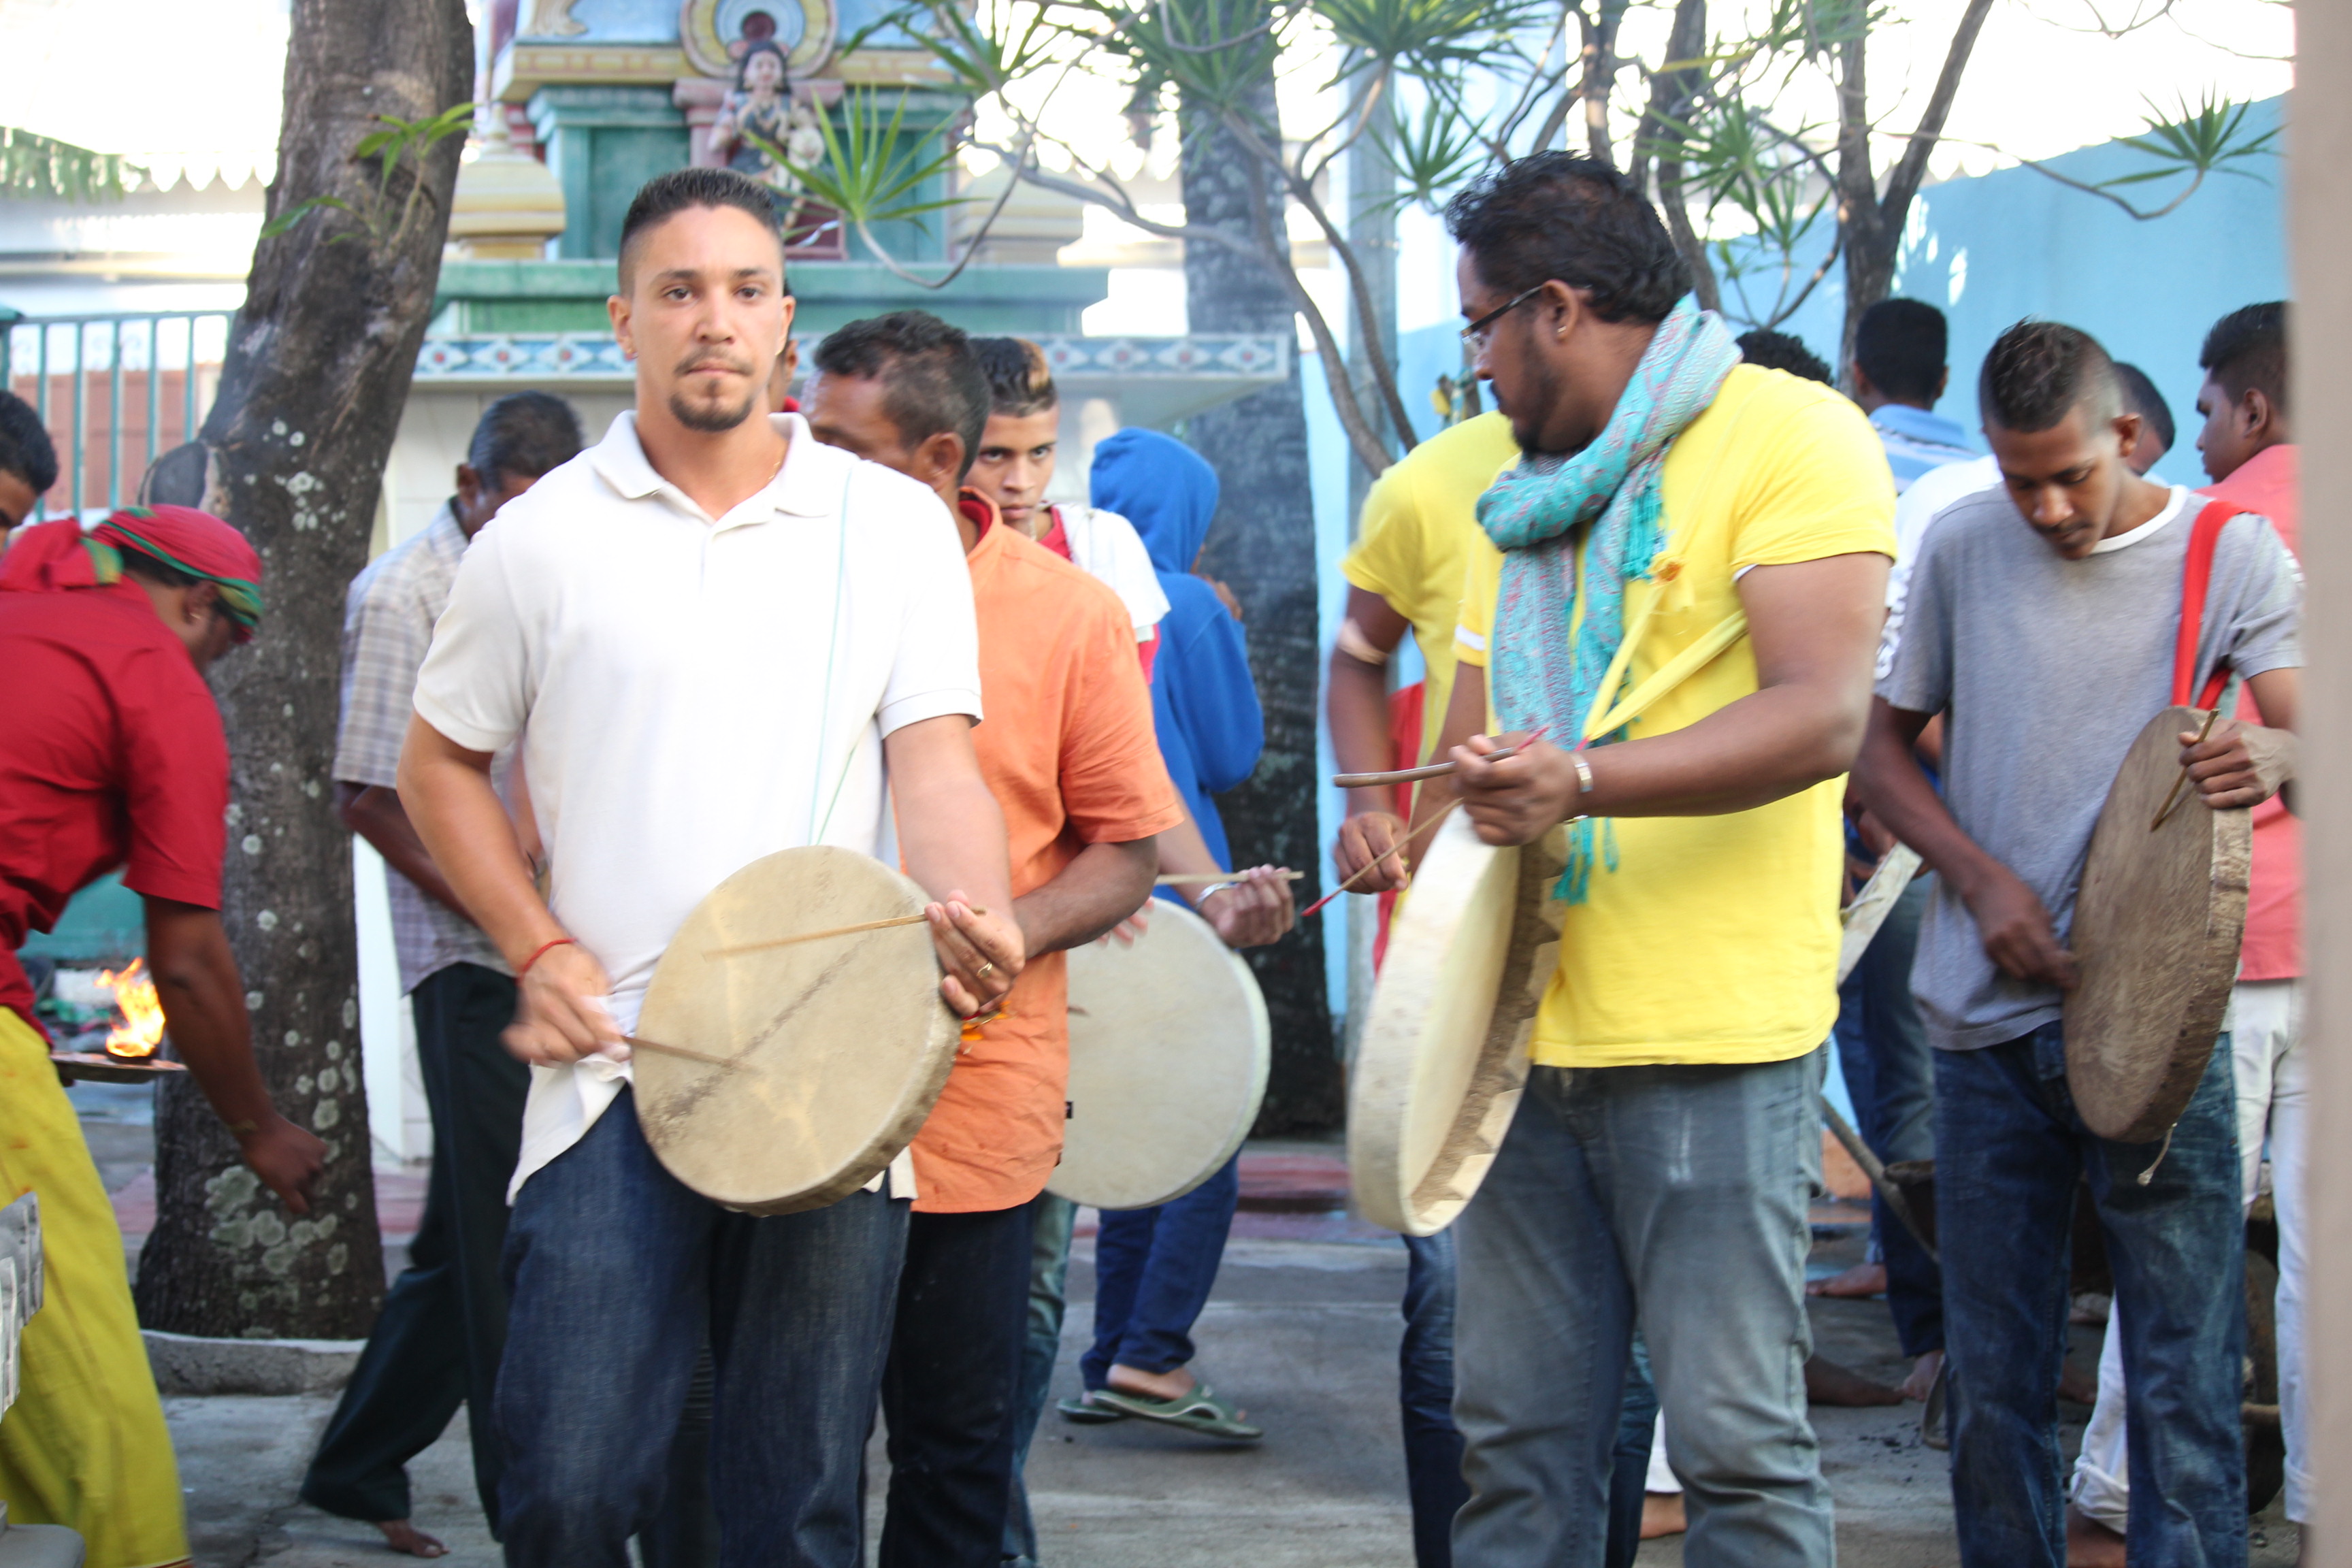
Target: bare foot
1922,1379
1826,1383
2076,1385
402,1536
2089,1544
1857,1283
1662,1515
1173,1384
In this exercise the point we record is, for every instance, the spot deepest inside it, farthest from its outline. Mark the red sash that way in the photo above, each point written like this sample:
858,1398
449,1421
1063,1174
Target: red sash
2195,579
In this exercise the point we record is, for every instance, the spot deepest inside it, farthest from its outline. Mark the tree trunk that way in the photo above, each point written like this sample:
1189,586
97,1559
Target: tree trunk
1661,135
1263,544
317,369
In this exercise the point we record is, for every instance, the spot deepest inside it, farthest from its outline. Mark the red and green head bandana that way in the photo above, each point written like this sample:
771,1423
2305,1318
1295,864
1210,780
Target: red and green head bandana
199,544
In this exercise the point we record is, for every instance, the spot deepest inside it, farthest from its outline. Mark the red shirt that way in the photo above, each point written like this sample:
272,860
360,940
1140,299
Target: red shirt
2266,483
1069,750
112,754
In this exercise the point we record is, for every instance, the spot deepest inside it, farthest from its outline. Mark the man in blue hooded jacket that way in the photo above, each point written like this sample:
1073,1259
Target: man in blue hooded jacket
1154,1267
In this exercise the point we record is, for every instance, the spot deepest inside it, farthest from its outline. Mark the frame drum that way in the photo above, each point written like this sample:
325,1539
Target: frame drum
830,1052
1168,1053
2158,924
1445,1049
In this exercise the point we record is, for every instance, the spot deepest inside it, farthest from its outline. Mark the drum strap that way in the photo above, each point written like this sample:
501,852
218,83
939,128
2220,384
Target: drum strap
2196,576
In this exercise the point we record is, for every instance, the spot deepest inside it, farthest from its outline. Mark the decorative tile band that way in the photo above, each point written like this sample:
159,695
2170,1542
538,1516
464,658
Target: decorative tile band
595,357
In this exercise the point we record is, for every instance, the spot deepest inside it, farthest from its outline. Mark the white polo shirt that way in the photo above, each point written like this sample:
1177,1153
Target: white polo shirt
692,693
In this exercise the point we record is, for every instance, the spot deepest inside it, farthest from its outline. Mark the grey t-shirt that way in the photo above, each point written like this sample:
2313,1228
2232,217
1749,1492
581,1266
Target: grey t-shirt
2046,669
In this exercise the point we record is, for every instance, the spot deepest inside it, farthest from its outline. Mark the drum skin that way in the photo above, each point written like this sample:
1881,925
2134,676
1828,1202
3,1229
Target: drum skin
841,1044
1444,1055
2158,924
1169,1047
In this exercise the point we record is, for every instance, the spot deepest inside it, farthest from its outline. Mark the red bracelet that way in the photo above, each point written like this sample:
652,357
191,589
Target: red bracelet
541,951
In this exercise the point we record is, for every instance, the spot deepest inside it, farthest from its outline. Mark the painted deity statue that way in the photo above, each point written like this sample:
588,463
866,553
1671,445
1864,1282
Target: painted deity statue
759,106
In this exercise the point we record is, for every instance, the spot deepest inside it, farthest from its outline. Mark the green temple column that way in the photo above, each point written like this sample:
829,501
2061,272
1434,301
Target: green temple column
601,143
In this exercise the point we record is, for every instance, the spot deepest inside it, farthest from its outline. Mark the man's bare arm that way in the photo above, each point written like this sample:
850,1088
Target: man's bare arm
1254,908
463,827
197,981
376,815
1359,843
1107,883
2245,764
952,832
1357,701
2012,922
1814,628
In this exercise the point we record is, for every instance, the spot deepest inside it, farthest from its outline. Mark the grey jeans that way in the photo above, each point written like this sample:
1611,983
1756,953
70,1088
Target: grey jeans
1676,1196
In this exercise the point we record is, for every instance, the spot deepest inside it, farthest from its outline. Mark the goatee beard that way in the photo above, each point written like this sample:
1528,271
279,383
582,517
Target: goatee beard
711,421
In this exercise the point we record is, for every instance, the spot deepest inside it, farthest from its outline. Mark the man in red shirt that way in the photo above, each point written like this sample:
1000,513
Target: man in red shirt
2248,450
1068,748
113,755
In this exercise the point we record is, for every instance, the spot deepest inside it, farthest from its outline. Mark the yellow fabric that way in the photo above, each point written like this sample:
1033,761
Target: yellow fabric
1715,940
1419,523
84,1445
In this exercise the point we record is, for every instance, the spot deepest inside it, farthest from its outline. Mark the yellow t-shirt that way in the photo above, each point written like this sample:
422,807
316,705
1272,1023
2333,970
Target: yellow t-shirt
1418,524
1715,940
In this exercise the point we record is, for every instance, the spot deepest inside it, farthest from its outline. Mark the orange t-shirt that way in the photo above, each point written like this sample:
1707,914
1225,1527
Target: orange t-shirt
2267,483
1068,748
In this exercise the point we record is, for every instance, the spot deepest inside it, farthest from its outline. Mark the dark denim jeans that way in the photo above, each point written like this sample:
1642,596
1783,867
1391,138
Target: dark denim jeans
2010,1151
616,1272
1889,1072
950,1393
437,1343
1684,1190
1153,1271
1050,1222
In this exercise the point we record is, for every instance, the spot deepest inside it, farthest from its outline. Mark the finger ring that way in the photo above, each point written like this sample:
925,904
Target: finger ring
986,968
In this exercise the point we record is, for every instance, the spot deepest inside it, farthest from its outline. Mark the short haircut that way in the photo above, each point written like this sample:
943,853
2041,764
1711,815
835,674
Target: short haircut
26,450
931,378
1020,383
2141,397
2247,349
2039,372
1557,215
1901,345
1784,351
664,195
524,436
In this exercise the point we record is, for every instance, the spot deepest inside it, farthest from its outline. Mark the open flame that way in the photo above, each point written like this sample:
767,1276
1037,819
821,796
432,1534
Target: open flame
141,1029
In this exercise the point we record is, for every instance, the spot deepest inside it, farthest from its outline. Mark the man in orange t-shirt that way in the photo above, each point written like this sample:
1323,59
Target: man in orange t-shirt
1066,745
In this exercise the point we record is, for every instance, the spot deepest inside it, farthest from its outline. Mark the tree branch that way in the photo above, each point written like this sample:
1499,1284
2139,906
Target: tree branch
1904,182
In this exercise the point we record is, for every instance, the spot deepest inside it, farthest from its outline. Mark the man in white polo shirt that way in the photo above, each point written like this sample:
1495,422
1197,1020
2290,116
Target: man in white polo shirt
716,638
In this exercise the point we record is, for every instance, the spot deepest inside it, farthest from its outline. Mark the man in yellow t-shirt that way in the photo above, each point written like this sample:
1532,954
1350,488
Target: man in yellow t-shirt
1694,574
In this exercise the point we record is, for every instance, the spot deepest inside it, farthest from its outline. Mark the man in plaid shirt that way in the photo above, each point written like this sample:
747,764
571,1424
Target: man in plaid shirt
443,1327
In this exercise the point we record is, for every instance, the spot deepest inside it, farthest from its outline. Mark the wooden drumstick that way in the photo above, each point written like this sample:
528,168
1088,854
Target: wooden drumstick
1203,879
2174,794
1432,771
704,1057
821,935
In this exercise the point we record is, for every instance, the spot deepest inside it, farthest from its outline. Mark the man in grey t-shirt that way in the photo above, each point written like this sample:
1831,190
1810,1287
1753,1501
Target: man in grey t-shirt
2042,623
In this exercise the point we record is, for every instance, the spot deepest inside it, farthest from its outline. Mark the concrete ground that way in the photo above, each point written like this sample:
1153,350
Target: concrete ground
1302,1332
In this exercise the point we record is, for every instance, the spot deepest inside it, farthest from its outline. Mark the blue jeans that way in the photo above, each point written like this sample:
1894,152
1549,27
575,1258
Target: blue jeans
1050,1221
2010,1151
1433,1444
1153,1271
615,1273
1682,1191
1890,1073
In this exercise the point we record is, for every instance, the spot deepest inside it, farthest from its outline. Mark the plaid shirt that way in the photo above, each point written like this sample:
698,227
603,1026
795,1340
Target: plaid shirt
388,620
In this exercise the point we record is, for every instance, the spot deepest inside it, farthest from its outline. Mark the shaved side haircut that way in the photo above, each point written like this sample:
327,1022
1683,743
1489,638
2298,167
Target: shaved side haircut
2039,372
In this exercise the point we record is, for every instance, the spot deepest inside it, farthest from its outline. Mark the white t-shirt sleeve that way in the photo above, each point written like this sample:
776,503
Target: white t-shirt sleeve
474,685
1106,545
937,670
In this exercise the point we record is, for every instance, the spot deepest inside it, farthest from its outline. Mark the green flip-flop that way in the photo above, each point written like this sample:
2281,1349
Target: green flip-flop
1084,1409
1201,1410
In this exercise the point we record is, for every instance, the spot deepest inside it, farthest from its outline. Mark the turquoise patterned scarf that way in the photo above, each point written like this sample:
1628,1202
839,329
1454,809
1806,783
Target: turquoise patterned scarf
1538,673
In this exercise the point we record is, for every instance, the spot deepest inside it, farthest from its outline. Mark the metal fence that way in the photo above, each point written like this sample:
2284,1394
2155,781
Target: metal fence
114,392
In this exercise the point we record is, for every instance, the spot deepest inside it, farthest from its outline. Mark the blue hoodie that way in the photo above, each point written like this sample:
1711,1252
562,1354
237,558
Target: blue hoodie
1203,704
